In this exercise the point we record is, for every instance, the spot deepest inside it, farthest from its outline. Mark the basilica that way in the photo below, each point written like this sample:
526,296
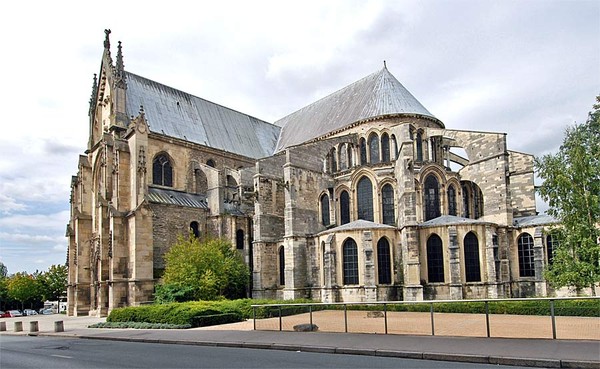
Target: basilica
361,196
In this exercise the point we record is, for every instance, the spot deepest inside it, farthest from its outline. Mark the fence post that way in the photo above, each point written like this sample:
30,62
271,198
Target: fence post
310,313
553,319
432,324
487,318
254,317
279,317
345,318
385,317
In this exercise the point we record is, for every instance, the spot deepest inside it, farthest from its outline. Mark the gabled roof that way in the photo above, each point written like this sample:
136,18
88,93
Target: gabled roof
178,114
376,95
357,225
534,220
173,197
446,220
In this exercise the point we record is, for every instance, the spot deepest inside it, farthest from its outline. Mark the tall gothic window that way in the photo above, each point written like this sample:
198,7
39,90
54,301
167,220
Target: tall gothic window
435,259
344,207
282,266
526,264
162,171
333,160
477,202
374,148
364,191
419,147
466,202
350,156
452,201
350,260
239,239
551,243
325,210
387,204
384,265
432,198
362,146
471,250
385,148
344,157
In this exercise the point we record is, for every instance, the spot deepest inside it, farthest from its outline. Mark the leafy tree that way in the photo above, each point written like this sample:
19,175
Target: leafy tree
54,282
572,189
3,284
3,270
23,287
205,270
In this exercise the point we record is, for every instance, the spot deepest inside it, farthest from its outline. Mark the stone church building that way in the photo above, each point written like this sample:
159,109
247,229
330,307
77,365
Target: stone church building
363,195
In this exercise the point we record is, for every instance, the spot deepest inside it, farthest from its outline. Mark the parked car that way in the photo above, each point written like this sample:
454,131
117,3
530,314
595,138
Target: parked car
30,312
4,314
47,312
14,313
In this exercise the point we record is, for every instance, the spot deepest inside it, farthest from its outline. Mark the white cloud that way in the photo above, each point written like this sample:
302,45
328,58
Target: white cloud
36,221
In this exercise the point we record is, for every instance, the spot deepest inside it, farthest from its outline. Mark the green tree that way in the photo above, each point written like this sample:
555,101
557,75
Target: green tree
571,186
205,270
3,285
23,287
54,282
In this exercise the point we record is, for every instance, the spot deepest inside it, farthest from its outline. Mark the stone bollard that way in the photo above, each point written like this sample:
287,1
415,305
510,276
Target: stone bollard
18,326
33,326
2,326
59,326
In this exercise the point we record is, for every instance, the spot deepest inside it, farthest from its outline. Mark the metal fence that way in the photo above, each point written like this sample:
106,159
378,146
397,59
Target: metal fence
305,313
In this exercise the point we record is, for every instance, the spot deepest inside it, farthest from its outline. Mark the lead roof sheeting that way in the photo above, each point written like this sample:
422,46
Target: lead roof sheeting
172,197
178,114
534,220
375,95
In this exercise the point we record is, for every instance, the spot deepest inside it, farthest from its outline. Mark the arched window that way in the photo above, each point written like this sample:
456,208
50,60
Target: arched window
384,265
350,156
350,257
334,166
201,182
162,171
325,210
282,266
551,243
466,202
435,259
394,148
387,205
432,198
385,148
526,264
211,163
419,147
364,191
451,200
477,202
471,250
374,148
239,239
344,207
195,229
362,146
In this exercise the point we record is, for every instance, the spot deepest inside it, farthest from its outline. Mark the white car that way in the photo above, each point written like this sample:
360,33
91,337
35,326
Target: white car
30,312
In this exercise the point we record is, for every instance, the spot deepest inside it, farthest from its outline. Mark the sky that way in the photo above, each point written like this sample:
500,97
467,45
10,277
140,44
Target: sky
526,68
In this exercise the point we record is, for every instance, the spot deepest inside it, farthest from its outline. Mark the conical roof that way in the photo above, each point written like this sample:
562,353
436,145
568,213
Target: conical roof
376,95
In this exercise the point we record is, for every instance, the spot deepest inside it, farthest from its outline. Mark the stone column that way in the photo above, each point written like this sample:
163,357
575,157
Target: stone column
491,254
330,286
369,275
538,262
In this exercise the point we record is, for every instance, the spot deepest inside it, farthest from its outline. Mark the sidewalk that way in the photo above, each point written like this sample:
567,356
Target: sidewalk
565,353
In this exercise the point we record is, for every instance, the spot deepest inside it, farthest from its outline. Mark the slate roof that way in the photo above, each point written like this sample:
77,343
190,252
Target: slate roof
178,114
445,220
378,94
172,197
356,225
534,220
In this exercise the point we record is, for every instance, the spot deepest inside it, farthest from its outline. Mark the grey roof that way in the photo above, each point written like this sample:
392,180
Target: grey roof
357,225
534,220
178,114
445,220
378,94
172,197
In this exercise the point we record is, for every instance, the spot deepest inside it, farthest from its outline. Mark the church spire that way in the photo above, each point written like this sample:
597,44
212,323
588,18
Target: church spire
106,39
120,67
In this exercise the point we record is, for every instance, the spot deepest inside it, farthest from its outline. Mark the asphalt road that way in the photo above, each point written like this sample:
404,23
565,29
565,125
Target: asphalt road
66,353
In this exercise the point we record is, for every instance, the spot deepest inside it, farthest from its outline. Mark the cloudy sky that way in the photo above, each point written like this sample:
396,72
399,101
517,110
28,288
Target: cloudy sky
527,68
